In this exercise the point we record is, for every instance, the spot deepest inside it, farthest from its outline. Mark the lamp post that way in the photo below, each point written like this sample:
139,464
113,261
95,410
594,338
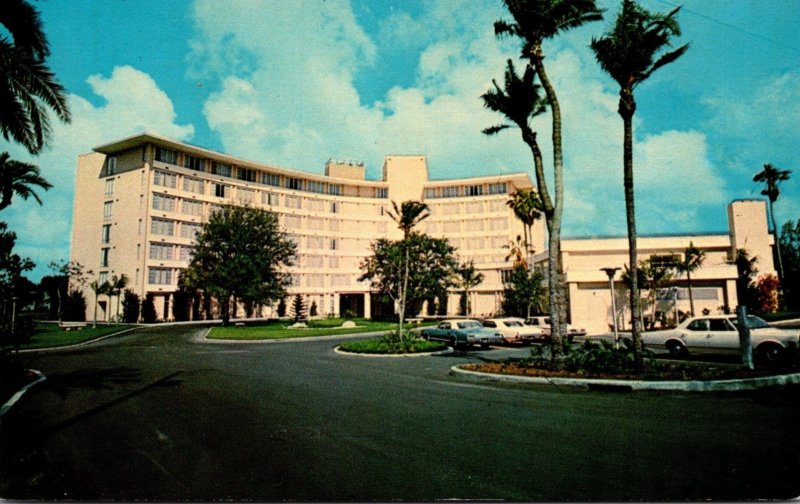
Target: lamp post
611,272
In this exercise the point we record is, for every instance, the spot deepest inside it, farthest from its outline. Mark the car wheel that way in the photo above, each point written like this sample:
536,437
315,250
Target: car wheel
453,342
676,349
769,355
425,336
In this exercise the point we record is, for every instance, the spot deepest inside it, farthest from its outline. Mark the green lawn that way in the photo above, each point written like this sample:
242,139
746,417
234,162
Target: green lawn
50,335
279,329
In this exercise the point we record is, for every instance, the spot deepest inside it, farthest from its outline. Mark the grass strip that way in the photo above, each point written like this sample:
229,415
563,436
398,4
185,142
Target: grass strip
379,346
49,335
279,330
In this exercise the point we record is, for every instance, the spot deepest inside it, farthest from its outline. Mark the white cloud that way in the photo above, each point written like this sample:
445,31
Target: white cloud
133,102
299,110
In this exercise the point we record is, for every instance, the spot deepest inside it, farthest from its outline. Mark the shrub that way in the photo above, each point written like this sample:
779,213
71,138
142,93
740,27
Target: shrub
130,307
593,358
282,308
767,287
180,306
75,307
148,309
299,308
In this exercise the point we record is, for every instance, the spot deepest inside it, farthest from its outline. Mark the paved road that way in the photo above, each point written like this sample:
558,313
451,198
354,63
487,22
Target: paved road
153,415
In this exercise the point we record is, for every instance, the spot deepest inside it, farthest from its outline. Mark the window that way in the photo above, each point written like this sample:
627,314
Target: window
162,227
475,207
451,227
160,251
194,163
474,225
220,190
246,174
474,190
106,233
335,189
381,193
313,261
498,188
720,325
271,179
292,202
104,257
314,242
164,179
111,165
185,253
430,193
334,243
102,278
107,208
333,261
294,183
221,169
334,207
315,186
193,185
191,207
245,195
162,202
109,188
450,192
189,230
698,325
166,155
269,198
159,276
315,205
315,223
291,221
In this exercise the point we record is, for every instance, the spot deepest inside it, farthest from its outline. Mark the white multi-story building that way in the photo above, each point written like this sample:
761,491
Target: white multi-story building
139,202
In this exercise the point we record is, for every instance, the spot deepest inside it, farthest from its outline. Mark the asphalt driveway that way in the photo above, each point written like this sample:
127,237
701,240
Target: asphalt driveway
153,415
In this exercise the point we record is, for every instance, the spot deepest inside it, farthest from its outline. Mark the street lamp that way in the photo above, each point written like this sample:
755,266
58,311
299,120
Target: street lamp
611,272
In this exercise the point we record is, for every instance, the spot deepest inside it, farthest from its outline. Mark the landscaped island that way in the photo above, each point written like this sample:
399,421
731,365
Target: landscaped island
278,329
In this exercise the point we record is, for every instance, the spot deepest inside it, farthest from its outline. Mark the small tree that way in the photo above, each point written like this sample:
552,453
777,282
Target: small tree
468,277
282,308
312,312
299,308
524,293
790,250
131,304
181,308
745,281
74,308
67,273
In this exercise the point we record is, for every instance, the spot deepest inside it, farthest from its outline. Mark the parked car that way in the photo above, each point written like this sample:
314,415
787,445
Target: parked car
718,334
514,330
543,322
458,332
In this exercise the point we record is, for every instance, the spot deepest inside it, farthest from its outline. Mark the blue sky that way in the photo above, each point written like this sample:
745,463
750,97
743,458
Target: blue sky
294,83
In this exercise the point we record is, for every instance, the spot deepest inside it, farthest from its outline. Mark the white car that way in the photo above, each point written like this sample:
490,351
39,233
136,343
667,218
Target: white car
543,322
718,334
514,330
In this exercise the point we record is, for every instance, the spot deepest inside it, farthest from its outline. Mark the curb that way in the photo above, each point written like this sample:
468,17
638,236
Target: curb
339,351
77,345
630,385
18,395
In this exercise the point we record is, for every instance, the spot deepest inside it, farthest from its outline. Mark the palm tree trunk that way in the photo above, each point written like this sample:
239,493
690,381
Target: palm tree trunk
627,108
689,285
557,298
94,321
777,244
403,299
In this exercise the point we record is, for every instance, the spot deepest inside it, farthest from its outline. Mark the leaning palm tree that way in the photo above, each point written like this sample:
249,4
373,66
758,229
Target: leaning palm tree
527,208
534,21
771,176
630,53
19,178
518,251
693,258
407,216
27,86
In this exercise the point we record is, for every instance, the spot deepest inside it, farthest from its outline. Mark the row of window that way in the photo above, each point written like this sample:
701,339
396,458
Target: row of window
467,190
469,226
248,174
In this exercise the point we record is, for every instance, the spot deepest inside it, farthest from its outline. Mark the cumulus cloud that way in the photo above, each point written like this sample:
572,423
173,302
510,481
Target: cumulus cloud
132,102
297,110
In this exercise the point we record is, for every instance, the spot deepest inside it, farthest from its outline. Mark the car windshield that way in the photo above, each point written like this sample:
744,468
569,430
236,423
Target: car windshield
468,324
752,321
513,323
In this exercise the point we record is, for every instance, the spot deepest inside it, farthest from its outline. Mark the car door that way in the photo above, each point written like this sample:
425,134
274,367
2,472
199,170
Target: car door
722,337
697,334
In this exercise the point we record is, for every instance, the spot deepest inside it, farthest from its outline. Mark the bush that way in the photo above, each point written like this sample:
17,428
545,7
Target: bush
282,308
130,307
593,358
390,343
180,305
74,308
148,309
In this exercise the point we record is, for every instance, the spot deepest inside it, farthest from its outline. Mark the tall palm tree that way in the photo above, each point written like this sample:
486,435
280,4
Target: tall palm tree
693,258
630,53
469,277
533,22
527,208
772,176
407,216
19,178
27,86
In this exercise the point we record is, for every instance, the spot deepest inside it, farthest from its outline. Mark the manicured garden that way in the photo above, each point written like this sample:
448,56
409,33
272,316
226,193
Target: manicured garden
280,329
389,345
